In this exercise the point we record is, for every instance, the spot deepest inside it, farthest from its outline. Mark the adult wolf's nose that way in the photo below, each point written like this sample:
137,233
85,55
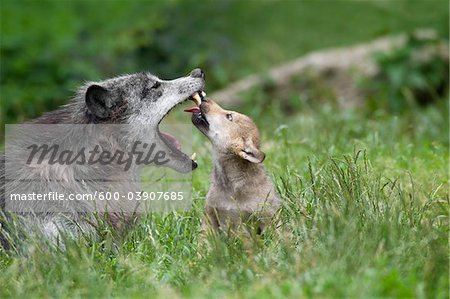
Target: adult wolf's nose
197,73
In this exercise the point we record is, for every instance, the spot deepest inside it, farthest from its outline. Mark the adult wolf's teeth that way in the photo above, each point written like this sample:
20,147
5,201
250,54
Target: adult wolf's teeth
203,96
197,98
194,155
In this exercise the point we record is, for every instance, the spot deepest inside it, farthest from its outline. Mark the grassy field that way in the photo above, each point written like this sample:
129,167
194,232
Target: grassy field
365,214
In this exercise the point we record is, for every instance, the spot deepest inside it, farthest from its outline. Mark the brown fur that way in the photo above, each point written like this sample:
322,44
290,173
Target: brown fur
240,188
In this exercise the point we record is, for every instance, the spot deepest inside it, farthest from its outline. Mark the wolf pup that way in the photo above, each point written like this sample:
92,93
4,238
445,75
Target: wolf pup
240,189
139,101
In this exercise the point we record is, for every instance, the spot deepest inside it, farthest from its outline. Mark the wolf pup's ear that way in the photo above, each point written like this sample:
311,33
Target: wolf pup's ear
98,101
252,154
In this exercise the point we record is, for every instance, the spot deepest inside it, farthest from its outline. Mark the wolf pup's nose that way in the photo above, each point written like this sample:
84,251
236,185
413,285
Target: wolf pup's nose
197,73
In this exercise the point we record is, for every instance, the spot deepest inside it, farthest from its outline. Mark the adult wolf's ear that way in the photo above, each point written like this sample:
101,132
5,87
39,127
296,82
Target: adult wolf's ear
252,154
98,101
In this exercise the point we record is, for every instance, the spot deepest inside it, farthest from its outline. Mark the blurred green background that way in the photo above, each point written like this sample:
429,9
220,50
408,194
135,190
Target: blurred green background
48,48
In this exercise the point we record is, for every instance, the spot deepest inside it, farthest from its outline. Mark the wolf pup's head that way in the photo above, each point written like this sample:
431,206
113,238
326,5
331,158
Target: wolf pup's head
141,101
230,132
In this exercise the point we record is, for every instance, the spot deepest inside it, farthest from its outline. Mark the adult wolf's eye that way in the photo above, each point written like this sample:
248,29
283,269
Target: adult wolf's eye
230,117
156,85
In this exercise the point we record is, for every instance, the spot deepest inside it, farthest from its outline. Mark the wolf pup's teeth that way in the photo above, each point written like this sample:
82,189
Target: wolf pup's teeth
194,155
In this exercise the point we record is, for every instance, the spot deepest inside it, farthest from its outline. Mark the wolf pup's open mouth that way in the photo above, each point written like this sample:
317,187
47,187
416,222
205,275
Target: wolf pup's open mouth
170,140
197,98
198,115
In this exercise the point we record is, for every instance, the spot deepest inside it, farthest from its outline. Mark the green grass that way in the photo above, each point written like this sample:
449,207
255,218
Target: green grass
365,214
294,28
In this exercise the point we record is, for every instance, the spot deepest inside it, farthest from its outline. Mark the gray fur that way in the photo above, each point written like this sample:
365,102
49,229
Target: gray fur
139,101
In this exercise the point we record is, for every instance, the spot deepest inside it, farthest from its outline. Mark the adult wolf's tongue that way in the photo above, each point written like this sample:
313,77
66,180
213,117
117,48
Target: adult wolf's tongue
172,140
192,109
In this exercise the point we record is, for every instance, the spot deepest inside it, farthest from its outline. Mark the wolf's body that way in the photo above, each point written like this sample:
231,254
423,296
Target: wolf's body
139,101
240,192
240,189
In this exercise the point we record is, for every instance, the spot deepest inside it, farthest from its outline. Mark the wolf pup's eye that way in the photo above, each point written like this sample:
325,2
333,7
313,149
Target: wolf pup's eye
229,116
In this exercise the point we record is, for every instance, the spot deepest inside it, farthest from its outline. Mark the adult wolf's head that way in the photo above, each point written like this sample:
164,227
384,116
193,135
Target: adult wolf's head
141,101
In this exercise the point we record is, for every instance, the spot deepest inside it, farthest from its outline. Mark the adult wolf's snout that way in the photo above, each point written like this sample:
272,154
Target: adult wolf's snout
197,73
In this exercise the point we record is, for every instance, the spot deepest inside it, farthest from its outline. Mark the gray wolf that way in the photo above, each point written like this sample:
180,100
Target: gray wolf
240,189
140,101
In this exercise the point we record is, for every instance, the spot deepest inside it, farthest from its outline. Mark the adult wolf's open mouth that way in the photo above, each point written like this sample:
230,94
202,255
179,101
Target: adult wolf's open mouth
172,142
